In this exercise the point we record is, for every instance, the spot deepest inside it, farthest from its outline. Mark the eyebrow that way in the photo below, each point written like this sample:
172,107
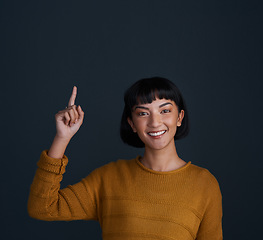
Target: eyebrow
162,105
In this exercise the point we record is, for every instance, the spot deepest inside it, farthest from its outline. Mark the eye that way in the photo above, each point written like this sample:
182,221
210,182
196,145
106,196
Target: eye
142,113
165,111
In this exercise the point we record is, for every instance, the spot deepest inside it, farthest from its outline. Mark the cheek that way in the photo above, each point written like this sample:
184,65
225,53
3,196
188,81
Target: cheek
172,122
171,118
139,124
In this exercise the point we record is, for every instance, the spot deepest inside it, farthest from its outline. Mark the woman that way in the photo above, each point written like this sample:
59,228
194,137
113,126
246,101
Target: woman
156,196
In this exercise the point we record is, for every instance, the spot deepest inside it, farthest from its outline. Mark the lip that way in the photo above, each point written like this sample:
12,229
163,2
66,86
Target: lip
156,136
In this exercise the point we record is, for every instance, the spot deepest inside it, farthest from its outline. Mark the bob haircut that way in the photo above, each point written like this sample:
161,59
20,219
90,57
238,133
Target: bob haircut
145,91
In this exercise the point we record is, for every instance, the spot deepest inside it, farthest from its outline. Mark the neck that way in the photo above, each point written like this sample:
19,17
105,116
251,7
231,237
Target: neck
162,159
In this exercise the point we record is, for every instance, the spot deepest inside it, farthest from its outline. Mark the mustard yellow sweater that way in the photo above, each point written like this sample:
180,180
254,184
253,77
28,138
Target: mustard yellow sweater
131,201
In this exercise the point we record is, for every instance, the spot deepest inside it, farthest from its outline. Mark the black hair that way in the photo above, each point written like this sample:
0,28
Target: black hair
145,91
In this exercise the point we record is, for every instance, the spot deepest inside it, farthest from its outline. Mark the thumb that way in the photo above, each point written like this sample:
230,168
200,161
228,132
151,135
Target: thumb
81,113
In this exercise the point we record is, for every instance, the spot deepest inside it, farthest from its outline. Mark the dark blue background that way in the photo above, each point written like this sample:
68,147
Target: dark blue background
211,49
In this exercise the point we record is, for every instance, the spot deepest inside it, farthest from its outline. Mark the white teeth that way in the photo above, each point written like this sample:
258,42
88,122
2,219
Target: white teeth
156,133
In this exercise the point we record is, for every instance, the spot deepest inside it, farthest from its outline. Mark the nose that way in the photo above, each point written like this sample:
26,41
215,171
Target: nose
154,120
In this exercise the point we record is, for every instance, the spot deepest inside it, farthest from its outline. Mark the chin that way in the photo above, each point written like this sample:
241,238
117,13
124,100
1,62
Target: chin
160,146
156,147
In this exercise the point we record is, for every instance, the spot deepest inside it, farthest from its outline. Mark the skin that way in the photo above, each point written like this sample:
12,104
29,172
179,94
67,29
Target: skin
68,122
160,151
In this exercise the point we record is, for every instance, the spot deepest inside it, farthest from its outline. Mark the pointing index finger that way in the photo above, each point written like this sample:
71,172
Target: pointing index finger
73,97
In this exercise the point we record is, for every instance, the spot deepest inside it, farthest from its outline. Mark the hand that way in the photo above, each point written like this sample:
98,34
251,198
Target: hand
69,120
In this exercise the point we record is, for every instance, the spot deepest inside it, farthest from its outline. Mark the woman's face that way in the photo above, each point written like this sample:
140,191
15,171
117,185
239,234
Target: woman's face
156,123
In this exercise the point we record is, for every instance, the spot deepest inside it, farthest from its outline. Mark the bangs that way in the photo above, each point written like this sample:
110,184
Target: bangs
144,96
147,91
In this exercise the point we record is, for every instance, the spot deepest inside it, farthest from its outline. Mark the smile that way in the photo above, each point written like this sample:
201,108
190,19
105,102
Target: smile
155,134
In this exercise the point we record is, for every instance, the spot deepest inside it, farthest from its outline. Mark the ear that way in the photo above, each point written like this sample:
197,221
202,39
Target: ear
131,124
180,118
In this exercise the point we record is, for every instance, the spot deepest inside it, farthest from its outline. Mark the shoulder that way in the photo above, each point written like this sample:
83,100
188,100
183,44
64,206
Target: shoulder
202,172
116,168
204,177
118,164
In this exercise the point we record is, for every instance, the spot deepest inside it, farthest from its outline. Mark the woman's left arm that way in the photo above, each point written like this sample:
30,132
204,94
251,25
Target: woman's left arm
211,225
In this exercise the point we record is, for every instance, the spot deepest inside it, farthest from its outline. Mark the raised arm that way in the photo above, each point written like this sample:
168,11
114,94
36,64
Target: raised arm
46,200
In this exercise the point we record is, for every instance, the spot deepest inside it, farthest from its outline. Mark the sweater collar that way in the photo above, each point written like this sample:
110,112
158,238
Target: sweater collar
137,160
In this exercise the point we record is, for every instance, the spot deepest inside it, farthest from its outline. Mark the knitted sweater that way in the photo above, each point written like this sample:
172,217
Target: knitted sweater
131,201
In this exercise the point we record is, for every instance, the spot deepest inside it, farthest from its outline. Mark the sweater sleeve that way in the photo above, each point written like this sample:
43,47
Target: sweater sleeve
48,202
211,225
